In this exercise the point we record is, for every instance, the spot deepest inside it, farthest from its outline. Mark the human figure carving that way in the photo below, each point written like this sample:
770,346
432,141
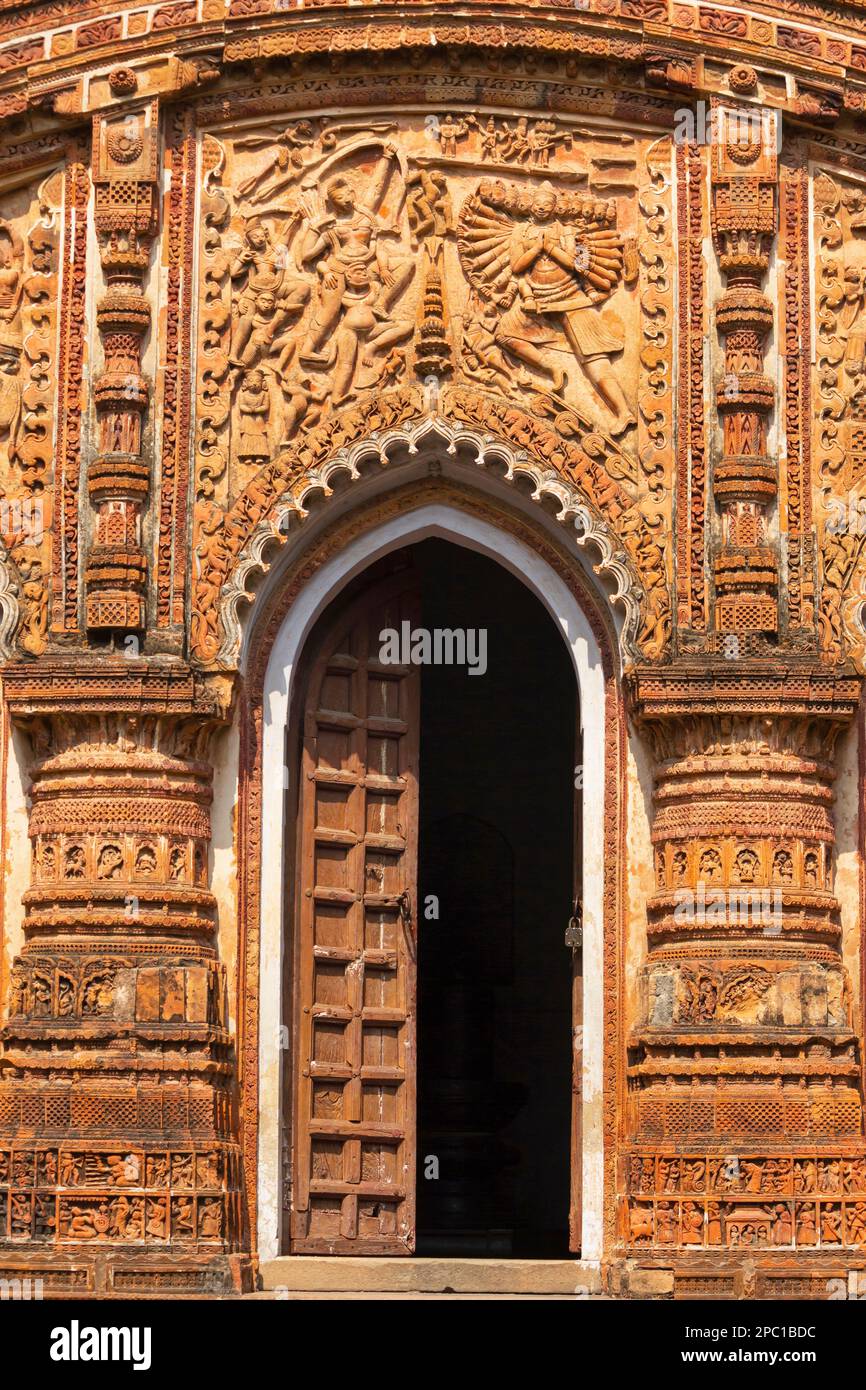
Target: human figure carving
451,129
360,281
548,277
11,291
210,1219
428,204
284,164
81,1225
270,293
254,408
183,1219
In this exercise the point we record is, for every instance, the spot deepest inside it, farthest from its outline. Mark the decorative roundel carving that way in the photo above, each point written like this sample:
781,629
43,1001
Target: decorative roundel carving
124,145
122,81
742,78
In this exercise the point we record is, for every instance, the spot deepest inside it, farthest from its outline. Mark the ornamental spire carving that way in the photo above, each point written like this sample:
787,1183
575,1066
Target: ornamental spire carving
745,476
125,164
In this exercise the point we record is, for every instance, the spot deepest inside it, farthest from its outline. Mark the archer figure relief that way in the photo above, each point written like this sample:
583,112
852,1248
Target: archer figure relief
314,278
360,277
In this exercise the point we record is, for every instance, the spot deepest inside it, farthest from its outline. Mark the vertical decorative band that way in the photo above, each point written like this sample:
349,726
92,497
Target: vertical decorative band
70,370
171,553
691,447
797,523
745,478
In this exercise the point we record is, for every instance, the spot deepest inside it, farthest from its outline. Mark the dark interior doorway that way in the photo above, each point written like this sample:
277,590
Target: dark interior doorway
496,854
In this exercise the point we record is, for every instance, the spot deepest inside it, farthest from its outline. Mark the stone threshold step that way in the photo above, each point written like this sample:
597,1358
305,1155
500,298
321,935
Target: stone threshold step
410,1274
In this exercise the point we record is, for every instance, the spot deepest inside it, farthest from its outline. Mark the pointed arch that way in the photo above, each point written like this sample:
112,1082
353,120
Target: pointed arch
275,642
601,518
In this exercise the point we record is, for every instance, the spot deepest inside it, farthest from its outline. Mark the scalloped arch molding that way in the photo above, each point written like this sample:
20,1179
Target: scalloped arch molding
402,443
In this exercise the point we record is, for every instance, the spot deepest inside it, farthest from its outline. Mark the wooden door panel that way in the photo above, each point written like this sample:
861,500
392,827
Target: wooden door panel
575,1217
355,1086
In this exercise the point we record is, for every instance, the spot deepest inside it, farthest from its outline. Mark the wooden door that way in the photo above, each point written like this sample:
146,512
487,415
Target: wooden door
354,1050
575,1205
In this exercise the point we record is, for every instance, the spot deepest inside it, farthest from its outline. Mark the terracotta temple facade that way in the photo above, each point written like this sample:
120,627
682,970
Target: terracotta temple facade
287,290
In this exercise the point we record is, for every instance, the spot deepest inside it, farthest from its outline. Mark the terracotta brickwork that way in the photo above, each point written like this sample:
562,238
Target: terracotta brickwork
272,276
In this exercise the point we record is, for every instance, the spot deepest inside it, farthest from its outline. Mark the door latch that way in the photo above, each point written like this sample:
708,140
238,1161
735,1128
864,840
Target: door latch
574,930
404,907
404,903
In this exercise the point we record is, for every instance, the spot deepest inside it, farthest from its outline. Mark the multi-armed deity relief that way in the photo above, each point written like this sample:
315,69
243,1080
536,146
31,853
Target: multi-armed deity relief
395,267
542,264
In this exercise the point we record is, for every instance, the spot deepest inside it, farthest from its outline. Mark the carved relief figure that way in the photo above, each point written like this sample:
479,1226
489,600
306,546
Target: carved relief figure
283,166
210,1219
548,261
428,204
450,131
269,294
360,278
11,291
109,862
339,229
253,406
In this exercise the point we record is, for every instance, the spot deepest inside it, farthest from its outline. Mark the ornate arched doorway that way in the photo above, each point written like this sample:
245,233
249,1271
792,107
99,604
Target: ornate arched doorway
278,663
432,1083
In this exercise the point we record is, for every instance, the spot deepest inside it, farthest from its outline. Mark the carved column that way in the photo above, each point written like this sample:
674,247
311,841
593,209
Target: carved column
746,1108
125,169
117,1163
745,477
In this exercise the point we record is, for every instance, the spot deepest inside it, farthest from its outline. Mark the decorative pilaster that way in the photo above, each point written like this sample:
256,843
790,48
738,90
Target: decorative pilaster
745,477
125,169
116,1109
746,1108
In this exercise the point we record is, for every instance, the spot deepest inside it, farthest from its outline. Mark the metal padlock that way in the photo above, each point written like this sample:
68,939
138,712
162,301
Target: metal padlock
574,934
574,930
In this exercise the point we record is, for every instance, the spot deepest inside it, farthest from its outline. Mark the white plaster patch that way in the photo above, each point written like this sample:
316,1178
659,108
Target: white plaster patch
16,845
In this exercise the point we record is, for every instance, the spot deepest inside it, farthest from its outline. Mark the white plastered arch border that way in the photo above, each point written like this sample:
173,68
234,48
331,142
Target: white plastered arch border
453,524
